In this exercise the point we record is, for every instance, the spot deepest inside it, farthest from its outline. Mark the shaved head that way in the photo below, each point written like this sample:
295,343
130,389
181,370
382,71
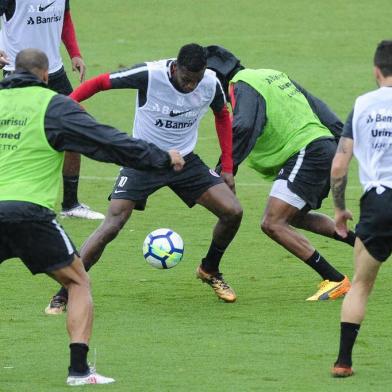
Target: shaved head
32,60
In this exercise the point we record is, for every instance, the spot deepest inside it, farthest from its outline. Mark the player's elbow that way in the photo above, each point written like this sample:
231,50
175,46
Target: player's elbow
339,167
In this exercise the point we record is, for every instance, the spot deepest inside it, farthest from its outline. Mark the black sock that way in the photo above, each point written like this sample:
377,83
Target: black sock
350,239
62,293
78,366
70,192
348,334
211,262
323,268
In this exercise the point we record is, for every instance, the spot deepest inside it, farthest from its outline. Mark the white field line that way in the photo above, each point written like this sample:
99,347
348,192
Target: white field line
247,184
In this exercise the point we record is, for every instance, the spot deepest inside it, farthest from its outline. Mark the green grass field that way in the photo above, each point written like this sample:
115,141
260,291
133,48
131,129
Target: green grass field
163,331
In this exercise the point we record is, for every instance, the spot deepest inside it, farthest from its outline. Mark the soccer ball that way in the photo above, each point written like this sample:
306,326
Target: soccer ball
163,248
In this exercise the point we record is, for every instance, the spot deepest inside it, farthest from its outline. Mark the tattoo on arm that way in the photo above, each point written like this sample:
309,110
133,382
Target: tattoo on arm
344,146
338,187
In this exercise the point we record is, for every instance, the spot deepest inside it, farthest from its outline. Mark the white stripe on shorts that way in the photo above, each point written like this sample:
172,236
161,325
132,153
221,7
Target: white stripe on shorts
282,192
67,242
297,165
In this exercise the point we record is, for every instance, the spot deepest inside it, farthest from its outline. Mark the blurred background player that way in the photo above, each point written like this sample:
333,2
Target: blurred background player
43,24
40,125
289,136
173,96
368,134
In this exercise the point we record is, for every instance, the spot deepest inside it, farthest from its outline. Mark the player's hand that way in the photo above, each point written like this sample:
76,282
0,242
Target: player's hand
228,178
3,59
177,160
78,65
341,218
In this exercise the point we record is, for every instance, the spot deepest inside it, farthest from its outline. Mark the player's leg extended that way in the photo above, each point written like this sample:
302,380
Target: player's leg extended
80,306
276,223
222,202
79,322
354,307
118,214
320,224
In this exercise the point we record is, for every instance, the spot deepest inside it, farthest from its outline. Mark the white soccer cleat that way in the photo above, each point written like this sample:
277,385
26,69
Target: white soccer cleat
82,211
92,378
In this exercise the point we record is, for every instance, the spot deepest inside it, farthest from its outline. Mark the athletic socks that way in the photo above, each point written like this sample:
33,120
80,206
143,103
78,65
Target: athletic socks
350,239
62,293
70,192
348,334
78,366
210,263
323,268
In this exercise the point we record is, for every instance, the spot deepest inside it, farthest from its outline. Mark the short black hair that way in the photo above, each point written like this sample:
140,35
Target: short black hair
192,57
383,57
31,60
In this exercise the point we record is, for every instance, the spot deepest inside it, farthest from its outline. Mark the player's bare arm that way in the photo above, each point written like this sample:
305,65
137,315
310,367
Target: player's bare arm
339,172
68,36
3,59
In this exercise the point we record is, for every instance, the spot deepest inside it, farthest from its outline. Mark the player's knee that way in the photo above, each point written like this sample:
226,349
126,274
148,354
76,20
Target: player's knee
234,214
269,226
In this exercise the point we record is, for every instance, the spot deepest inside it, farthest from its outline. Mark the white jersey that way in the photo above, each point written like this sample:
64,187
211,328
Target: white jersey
169,118
35,24
372,135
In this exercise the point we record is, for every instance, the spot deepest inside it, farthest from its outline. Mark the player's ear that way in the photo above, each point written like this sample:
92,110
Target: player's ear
45,76
173,68
377,73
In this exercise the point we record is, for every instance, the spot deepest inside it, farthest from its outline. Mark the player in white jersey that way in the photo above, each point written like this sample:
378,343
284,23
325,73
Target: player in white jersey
43,24
367,135
173,95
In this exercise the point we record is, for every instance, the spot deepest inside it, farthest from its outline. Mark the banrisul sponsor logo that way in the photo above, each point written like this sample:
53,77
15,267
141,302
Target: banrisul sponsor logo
170,124
369,119
38,20
382,115
13,122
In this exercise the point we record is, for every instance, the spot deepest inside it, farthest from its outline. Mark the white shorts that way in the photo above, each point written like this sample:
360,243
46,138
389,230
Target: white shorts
282,192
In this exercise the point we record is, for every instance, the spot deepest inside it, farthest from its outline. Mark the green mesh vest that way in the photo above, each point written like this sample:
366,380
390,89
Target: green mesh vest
291,123
30,169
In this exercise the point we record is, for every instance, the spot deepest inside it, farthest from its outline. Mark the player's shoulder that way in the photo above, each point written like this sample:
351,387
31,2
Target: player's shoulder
210,78
159,64
369,99
369,95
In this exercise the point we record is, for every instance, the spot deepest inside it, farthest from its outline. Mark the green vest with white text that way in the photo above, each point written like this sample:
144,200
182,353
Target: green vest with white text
291,123
30,169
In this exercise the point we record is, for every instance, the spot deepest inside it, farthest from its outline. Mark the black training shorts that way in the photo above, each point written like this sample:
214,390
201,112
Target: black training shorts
42,246
59,82
189,183
308,172
375,223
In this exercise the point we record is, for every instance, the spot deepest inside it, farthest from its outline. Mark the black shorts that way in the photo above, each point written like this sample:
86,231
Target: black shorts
308,172
375,223
58,81
42,246
189,183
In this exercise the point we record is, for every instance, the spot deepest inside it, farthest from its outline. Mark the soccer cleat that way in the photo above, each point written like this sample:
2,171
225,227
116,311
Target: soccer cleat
57,305
92,378
82,211
331,290
342,370
218,284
